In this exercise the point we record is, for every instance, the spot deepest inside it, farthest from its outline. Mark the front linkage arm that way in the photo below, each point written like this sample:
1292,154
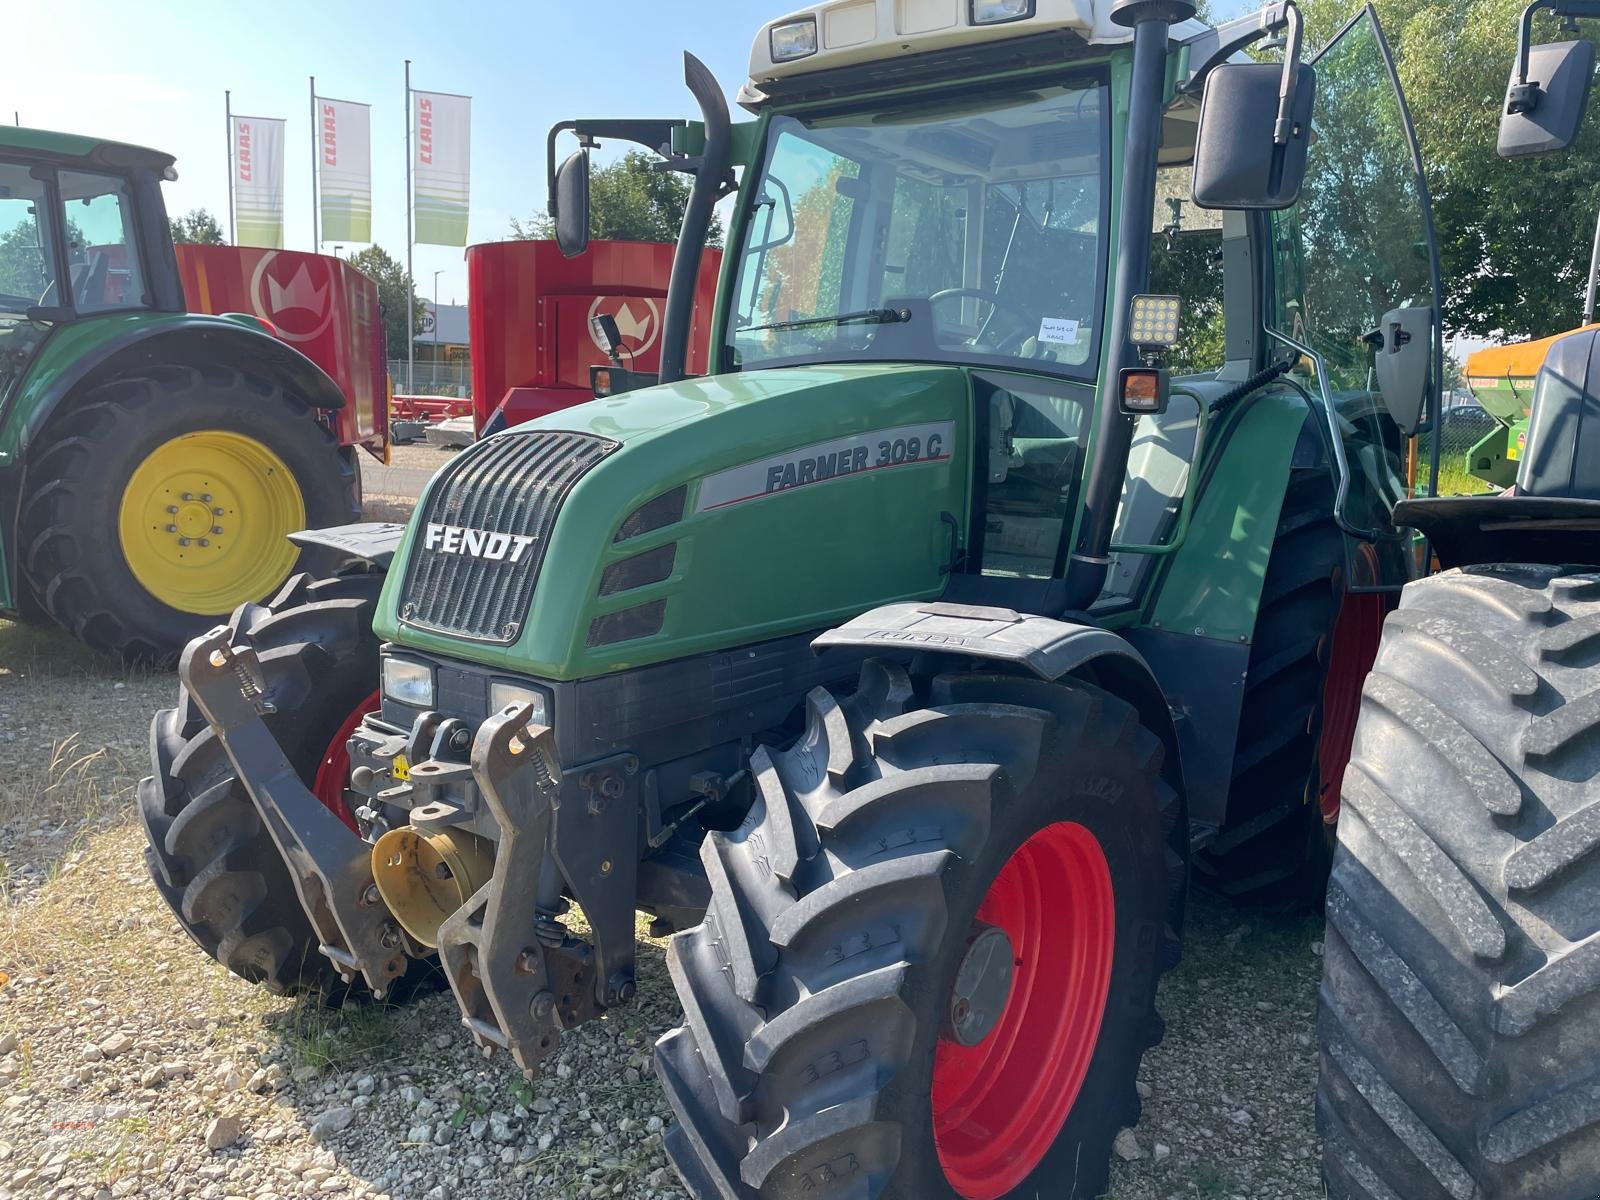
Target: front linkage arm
330,866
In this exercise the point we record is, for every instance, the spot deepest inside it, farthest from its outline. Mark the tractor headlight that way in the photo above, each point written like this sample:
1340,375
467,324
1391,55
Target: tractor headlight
503,694
998,12
409,683
796,40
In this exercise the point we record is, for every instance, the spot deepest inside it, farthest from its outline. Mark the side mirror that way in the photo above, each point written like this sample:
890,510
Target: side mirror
572,204
1404,344
1542,115
1239,161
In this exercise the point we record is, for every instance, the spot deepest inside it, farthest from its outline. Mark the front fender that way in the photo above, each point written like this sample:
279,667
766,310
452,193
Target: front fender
1039,646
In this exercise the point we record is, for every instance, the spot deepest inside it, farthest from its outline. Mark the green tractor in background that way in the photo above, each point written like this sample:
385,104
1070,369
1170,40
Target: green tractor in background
153,461
1460,1013
907,666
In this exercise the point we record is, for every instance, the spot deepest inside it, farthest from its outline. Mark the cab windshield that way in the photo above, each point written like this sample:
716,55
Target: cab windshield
969,231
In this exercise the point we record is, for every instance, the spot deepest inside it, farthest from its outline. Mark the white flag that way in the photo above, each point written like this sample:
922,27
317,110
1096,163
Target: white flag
344,167
442,167
258,182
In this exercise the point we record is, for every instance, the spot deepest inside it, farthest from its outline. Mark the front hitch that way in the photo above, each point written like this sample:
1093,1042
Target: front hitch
330,866
497,971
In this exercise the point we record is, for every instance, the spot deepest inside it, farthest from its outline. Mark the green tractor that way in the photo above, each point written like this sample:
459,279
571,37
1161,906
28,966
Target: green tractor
907,666
1460,1012
152,460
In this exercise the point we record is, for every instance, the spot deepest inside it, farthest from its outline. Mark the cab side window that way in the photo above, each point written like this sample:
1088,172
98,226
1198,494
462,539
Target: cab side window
102,252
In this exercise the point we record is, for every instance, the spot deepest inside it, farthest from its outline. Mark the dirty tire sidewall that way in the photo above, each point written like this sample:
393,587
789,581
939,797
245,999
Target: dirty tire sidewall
78,473
1459,1016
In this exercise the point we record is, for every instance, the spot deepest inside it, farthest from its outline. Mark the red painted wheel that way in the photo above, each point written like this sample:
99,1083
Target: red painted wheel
998,1106
1355,648
333,775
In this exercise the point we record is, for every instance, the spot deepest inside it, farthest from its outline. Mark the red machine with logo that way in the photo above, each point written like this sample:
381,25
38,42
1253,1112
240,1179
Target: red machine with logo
322,306
532,342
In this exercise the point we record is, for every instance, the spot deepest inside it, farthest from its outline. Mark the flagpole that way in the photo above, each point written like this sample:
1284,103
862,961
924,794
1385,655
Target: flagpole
411,280
316,154
233,219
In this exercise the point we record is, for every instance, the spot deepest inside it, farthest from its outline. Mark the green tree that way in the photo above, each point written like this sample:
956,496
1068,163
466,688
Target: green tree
393,289
22,261
629,201
197,227
1514,237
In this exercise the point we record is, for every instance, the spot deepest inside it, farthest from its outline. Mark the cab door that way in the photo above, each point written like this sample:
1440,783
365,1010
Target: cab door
1355,273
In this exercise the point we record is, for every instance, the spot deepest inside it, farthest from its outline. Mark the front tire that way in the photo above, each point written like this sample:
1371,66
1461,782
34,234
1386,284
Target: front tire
129,486
210,856
1460,1004
819,1055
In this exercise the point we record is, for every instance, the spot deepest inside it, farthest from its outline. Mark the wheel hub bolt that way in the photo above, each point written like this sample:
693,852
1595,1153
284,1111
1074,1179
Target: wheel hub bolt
982,986
215,512
183,541
172,510
206,499
216,529
188,496
205,541
172,529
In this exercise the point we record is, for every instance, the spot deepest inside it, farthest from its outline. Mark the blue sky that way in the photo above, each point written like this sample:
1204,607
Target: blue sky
154,72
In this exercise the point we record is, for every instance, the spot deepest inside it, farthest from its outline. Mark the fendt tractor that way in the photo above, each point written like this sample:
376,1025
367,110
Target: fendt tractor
153,458
906,666
1460,1008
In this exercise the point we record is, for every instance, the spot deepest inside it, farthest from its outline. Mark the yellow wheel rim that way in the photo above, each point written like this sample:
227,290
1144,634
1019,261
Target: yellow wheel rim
205,522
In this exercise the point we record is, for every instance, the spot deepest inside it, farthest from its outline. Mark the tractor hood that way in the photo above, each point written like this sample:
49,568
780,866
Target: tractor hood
687,518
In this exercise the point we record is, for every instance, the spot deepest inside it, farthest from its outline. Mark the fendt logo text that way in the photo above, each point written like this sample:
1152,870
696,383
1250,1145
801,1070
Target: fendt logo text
475,543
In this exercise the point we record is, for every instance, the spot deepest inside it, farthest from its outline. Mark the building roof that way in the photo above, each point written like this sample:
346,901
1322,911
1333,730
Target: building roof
452,326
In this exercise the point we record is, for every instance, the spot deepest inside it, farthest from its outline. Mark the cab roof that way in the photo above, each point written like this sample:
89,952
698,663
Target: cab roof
854,33
76,150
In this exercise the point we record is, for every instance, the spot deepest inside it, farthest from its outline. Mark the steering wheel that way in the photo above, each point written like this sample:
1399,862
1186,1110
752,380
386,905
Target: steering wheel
995,301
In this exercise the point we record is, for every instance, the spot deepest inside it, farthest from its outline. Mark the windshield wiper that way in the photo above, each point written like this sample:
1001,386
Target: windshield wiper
869,316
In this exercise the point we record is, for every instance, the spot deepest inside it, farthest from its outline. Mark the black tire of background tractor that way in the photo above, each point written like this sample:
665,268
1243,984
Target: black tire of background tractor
878,834
1274,846
1460,1007
76,475
211,858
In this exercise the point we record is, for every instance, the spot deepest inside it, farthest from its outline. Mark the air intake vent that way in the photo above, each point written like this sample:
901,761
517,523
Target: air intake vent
666,509
639,571
628,625
482,540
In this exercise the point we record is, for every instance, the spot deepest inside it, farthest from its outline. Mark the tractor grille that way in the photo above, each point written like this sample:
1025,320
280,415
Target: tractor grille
482,539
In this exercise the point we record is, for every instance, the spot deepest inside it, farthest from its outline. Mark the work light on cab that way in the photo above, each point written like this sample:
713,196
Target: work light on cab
998,12
794,41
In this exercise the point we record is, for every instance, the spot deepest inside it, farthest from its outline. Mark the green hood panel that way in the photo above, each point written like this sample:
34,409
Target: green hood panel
766,547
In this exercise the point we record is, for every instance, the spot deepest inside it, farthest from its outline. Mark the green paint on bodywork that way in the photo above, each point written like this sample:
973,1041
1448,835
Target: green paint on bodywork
64,355
1212,588
786,563
76,148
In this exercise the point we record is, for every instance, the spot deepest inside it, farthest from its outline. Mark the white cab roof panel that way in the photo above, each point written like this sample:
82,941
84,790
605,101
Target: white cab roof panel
859,31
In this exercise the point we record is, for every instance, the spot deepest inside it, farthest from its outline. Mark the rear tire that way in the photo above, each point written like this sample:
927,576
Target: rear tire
1460,1004
1274,846
78,478
210,856
816,991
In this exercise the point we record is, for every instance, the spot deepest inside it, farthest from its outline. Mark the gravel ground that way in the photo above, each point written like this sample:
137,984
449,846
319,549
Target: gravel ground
132,1065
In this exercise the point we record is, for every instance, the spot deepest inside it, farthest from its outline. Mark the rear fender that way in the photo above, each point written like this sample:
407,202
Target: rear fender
69,363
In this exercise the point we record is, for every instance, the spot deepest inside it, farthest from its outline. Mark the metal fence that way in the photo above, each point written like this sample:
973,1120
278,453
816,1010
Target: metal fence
1463,427
432,379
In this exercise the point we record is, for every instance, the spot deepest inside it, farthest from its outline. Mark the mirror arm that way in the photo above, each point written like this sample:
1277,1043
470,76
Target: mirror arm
1284,129
1525,96
1239,35
653,135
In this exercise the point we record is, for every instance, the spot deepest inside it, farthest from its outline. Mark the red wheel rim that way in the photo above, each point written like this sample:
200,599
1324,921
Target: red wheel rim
999,1106
333,775
1356,635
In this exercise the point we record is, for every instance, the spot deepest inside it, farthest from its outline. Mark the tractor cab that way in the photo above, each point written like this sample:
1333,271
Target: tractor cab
73,238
